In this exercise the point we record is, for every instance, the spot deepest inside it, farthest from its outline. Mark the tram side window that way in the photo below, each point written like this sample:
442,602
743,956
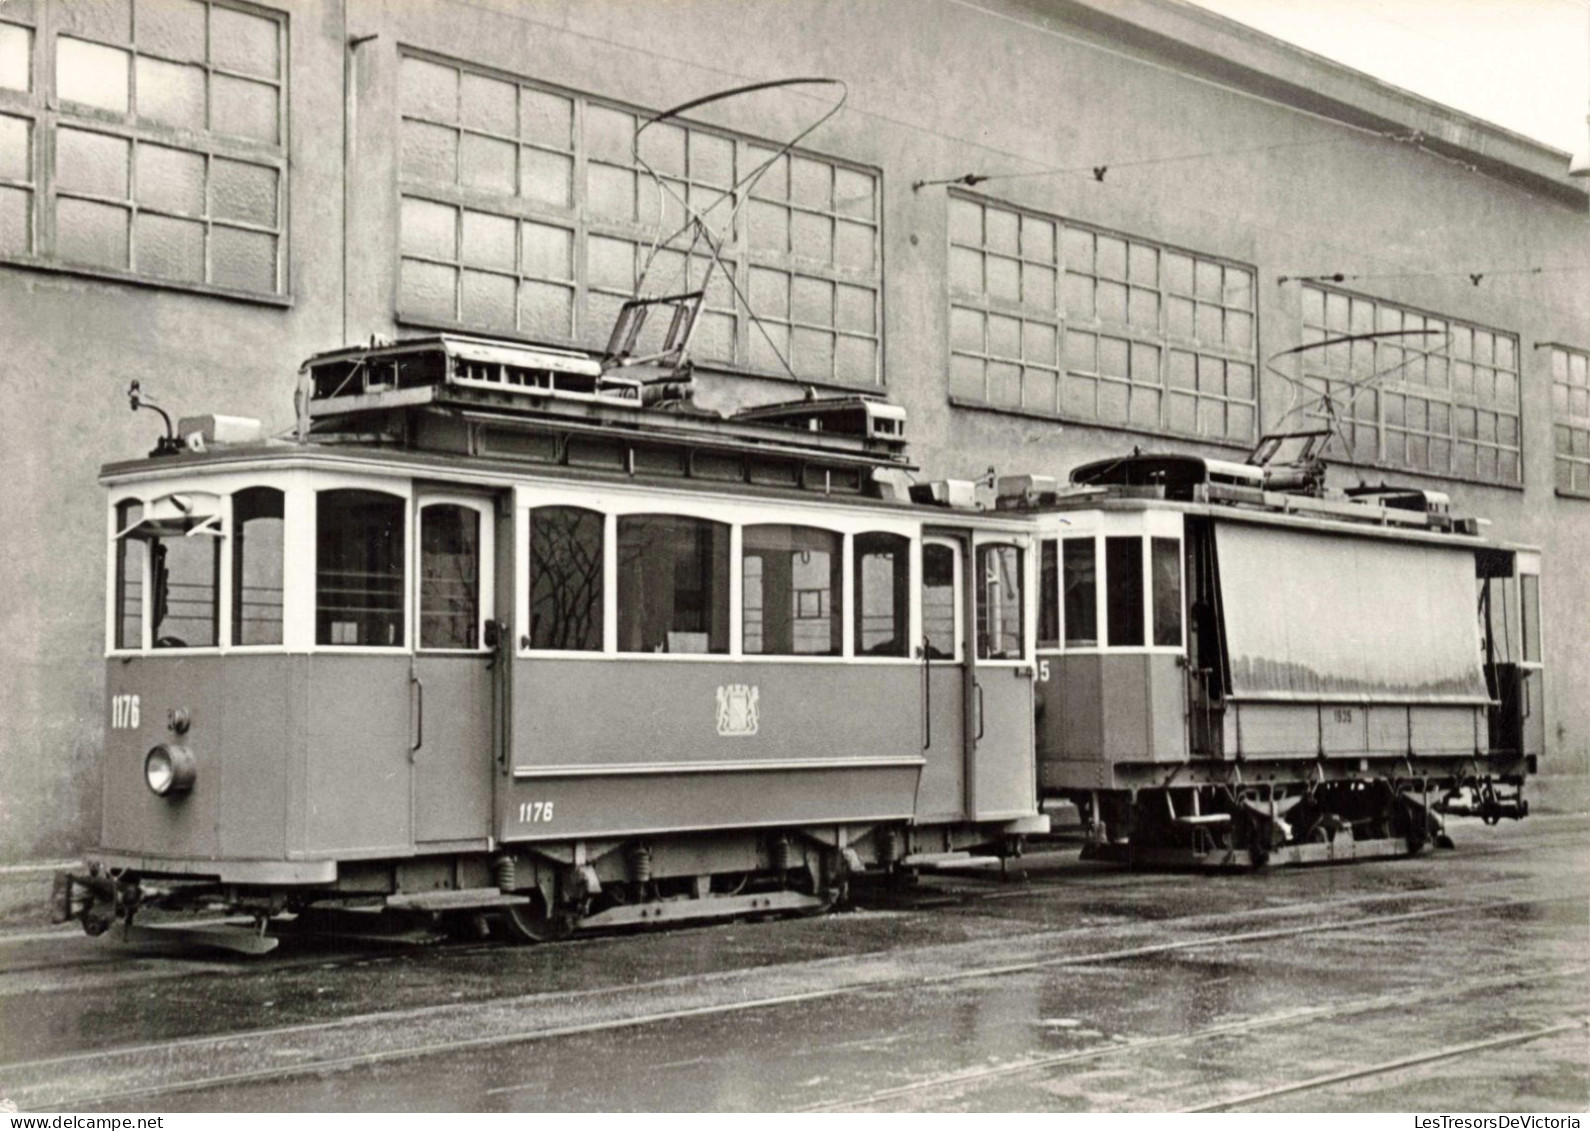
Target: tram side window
999,609
938,600
129,578
673,584
449,576
882,594
1123,587
1530,585
257,517
793,577
1049,594
1080,572
566,554
359,574
1166,559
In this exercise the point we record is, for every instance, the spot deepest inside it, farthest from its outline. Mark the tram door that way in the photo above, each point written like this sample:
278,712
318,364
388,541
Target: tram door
450,682
942,652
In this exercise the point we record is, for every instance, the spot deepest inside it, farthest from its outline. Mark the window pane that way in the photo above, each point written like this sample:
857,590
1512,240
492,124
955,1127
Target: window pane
938,600
1049,594
129,578
673,584
242,108
566,555
257,547
16,57
792,584
242,42
243,260
239,191
91,163
882,564
1081,593
449,577
1123,581
187,590
91,74
16,148
91,233
359,575
171,180
171,93
999,607
172,28
1167,592
169,248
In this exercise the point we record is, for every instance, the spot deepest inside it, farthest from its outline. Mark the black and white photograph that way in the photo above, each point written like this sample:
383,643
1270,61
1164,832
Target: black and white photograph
795,556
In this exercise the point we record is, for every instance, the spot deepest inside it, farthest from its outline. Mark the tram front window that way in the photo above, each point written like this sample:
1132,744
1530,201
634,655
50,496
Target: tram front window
129,578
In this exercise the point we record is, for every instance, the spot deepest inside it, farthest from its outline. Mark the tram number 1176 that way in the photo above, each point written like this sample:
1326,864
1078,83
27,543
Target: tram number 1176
535,812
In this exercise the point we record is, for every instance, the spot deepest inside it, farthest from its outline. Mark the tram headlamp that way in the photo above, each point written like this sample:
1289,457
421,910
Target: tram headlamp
169,770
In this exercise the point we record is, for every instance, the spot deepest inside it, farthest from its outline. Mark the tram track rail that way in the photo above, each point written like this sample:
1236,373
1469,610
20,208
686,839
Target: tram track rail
1313,1015
1386,1067
320,1047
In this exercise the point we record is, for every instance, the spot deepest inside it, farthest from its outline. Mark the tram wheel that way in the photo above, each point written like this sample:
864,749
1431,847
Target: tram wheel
535,922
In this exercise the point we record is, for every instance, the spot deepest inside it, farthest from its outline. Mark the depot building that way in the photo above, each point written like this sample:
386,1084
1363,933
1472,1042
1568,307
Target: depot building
1051,230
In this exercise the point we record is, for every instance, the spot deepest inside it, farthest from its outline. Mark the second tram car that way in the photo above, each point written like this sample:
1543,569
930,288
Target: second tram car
1234,667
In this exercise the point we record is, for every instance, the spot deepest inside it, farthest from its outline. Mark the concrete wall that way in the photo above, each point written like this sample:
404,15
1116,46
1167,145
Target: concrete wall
937,89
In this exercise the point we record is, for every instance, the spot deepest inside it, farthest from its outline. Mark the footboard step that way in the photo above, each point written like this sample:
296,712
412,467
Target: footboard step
221,936
712,907
458,899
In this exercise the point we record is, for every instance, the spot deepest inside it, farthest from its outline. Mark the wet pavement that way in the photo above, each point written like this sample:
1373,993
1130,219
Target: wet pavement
1457,981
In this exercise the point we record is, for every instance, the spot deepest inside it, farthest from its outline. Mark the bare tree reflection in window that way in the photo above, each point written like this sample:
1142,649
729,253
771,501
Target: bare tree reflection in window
566,579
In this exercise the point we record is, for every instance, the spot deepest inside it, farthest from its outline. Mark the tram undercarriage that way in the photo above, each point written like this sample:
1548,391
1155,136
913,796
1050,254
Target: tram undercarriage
529,892
1321,818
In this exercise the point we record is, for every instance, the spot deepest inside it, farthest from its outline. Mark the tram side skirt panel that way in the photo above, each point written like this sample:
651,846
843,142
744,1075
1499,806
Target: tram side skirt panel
627,746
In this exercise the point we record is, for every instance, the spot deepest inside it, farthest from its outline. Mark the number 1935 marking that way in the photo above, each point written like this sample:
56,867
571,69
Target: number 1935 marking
535,812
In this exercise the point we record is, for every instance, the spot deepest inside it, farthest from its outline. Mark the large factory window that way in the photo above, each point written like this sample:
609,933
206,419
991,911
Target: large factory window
999,604
129,578
673,584
449,576
1570,410
359,574
940,601
566,556
257,516
1080,571
1123,591
524,210
792,580
1440,396
156,148
882,594
1057,318
1166,560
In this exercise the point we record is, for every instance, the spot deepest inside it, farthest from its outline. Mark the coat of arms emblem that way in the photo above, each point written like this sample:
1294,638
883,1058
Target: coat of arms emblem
737,709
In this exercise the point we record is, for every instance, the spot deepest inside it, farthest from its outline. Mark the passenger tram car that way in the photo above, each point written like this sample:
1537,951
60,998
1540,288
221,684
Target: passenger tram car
500,630
1235,665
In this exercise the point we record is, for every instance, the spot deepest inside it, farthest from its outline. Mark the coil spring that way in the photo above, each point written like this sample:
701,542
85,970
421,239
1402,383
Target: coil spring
892,847
639,857
779,853
504,872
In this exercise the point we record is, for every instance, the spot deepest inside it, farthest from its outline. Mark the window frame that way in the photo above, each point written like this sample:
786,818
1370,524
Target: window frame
48,113
1024,546
1322,366
1146,526
485,590
1159,337
1570,428
578,218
